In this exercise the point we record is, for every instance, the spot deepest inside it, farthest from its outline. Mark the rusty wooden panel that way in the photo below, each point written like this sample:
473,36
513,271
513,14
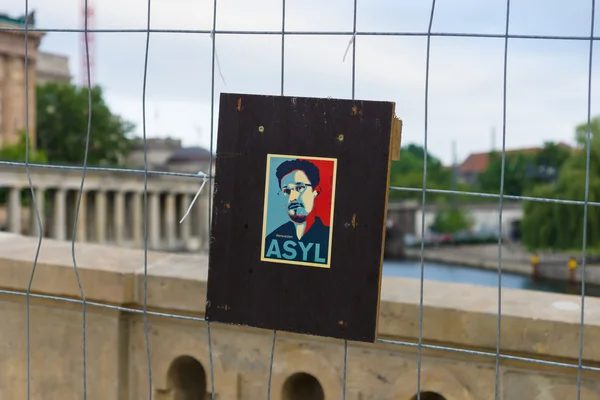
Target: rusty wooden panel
298,218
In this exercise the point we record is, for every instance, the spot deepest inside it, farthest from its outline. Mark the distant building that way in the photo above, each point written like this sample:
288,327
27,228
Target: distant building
157,153
477,163
53,68
189,160
167,154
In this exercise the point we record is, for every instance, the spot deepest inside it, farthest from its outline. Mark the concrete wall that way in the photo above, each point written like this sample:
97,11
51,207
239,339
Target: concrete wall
540,325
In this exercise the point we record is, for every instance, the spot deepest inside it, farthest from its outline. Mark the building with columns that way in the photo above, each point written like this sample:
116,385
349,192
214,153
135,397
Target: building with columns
111,209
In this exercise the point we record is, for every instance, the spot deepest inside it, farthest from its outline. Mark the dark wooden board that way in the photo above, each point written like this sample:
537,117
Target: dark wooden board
341,300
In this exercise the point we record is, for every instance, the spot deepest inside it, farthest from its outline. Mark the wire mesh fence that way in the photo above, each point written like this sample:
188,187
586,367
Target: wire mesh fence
352,52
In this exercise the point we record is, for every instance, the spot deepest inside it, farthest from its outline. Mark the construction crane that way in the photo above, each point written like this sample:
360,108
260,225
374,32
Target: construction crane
90,41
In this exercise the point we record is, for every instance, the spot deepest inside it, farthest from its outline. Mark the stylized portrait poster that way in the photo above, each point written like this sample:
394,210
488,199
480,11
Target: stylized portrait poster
298,210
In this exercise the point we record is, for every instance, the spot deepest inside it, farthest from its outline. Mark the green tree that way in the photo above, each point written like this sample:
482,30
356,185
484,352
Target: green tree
408,172
452,220
411,161
552,154
559,226
515,174
62,119
547,162
16,152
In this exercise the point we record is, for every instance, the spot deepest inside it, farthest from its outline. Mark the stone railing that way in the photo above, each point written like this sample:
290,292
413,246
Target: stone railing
111,209
538,325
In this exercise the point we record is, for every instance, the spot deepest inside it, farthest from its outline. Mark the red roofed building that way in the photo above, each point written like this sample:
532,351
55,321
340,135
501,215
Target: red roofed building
477,163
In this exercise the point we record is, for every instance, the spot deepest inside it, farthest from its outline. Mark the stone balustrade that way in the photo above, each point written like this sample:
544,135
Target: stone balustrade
538,325
111,208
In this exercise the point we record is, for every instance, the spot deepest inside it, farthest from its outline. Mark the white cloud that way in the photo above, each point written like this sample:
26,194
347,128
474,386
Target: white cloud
547,80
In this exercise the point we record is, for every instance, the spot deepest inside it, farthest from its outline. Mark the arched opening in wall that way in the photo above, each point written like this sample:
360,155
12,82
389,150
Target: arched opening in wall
302,386
429,396
186,379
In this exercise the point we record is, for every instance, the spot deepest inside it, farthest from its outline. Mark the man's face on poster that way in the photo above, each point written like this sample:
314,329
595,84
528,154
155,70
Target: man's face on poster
300,195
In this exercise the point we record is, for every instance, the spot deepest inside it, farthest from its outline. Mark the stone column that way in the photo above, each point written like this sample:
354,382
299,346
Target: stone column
81,233
119,216
31,116
59,219
137,217
203,227
154,220
3,91
184,203
100,216
14,210
14,109
170,217
3,97
33,215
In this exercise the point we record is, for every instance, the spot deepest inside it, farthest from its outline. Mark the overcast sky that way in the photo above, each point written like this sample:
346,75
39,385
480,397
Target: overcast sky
547,79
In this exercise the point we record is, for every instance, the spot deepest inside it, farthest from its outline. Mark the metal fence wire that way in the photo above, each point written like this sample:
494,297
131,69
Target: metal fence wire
497,355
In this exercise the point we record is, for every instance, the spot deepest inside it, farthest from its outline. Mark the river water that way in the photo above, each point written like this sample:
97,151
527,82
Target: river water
464,274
